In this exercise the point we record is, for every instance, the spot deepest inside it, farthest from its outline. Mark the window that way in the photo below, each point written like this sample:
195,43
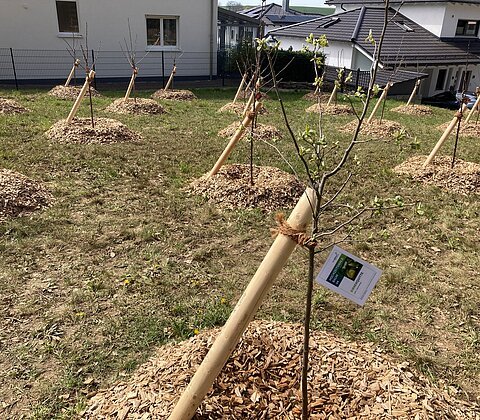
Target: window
467,28
162,31
402,25
442,75
67,16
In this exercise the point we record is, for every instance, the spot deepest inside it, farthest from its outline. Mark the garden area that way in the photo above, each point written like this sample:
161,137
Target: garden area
121,249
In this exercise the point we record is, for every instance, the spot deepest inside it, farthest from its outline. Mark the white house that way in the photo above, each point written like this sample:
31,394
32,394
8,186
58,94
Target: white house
449,60
38,31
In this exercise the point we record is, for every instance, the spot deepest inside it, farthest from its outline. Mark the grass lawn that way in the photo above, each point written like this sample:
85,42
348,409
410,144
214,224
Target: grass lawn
125,260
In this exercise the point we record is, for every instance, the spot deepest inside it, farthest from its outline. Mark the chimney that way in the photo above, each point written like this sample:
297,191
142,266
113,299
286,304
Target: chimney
285,5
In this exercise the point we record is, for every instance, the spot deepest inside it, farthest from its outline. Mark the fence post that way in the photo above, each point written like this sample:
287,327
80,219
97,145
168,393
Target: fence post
14,69
93,68
163,70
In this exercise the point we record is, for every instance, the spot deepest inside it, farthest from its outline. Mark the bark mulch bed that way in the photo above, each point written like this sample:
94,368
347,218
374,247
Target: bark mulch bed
312,96
81,131
238,108
413,110
464,178
230,188
261,132
136,106
469,130
384,130
70,92
20,195
246,95
174,95
11,107
261,380
331,109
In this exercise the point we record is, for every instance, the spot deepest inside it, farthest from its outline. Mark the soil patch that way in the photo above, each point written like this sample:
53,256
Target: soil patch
464,178
137,106
11,107
312,96
331,109
376,129
70,92
80,130
20,195
261,132
174,95
469,130
413,110
273,189
261,380
238,108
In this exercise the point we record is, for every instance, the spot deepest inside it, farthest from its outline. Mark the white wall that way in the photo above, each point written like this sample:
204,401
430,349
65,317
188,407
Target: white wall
454,12
32,24
430,16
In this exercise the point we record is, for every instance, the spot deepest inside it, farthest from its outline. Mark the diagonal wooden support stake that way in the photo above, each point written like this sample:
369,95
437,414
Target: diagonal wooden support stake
380,100
244,312
170,79
445,134
240,88
72,72
414,91
80,96
474,107
333,95
130,85
247,121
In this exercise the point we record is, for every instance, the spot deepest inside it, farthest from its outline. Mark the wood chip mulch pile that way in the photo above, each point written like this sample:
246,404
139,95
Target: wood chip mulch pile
330,109
470,130
20,195
413,110
174,95
261,131
312,96
70,92
246,95
80,130
230,188
261,380
11,107
464,178
135,106
238,108
384,130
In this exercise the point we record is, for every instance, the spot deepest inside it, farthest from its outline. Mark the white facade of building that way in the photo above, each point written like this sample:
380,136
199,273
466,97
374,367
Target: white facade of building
183,27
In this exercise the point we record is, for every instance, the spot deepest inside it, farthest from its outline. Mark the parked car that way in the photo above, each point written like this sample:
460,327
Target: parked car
443,100
470,96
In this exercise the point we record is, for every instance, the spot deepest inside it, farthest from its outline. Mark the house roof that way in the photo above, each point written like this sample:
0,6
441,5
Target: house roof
226,16
381,2
274,14
405,41
471,45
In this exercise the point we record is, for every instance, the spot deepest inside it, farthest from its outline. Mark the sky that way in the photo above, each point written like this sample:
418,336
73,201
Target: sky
318,3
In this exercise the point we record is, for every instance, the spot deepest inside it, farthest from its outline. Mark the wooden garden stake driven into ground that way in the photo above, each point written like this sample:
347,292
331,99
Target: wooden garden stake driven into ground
80,96
244,311
475,106
380,100
333,94
72,72
170,79
414,92
240,88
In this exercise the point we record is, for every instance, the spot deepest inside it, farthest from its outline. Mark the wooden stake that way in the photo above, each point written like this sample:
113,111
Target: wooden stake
130,85
249,104
414,91
80,96
445,135
234,140
474,107
69,78
170,79
382,97
243,313
333,95
240,88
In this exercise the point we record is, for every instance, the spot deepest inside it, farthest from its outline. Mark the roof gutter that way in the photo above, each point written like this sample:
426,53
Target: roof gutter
358,25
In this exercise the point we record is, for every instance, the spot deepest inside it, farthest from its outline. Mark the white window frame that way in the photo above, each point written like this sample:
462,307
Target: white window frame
162,47
68,34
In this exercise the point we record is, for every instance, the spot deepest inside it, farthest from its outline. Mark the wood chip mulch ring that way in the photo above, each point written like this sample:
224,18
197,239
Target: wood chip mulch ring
246,95
11,107
174,95
472,129
261,132
384,130
80,130
70,92
413,110
261,380
464,178
20,195
331,109
238,108
135,106
273,188
312,96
